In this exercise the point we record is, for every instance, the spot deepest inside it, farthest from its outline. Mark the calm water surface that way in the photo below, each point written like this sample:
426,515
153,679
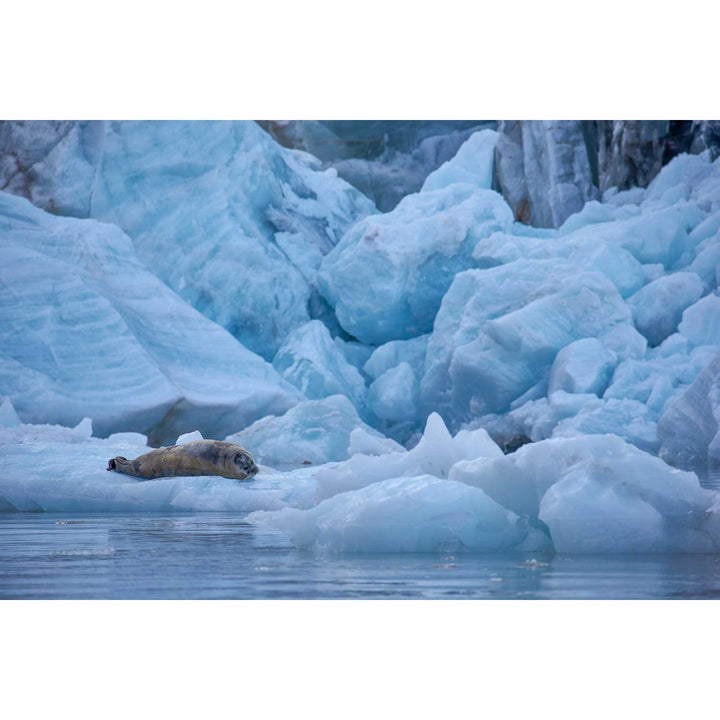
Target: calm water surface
204,556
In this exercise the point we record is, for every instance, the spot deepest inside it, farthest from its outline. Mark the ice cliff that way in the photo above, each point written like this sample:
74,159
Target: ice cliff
547,170
385,159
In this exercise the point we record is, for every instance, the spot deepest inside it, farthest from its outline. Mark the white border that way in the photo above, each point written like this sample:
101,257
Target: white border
322,59
311,59
358,659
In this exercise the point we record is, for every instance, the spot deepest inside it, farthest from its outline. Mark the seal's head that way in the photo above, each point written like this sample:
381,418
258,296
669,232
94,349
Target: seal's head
114,463
245,463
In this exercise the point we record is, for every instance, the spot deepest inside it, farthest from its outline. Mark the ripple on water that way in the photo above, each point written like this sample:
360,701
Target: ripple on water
221,556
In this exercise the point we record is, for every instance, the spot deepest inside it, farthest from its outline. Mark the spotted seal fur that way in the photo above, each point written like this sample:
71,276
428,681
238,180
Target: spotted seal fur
202,457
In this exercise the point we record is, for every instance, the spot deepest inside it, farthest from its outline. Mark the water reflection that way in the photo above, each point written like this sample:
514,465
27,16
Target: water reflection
220,556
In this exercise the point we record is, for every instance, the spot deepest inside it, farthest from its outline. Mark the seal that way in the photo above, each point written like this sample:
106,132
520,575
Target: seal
202,457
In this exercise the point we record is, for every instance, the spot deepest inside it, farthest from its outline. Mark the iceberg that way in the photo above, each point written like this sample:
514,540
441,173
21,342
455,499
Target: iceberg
688,428
313,363
387,276
499,329
227,218
436,452
598,494
86,330
658,307
313,432
405,514
51,468
595,494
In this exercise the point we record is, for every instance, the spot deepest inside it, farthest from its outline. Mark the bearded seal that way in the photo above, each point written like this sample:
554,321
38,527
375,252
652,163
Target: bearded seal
202,457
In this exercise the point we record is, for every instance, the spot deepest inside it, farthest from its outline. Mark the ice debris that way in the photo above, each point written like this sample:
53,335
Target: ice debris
312,433
387,276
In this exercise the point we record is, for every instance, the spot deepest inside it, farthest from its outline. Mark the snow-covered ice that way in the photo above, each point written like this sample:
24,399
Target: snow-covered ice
52,468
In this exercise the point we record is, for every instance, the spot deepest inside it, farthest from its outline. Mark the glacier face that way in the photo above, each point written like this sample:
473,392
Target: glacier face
231,221
543,169
385,159
86,330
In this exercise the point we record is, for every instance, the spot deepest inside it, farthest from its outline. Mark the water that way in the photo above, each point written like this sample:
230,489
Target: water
205,556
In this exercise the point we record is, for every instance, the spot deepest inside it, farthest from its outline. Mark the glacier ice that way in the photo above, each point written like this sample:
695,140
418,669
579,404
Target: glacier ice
313,432
700,322
385,159
499,329
50,468
227,218
313,363
471,164
598,494
394,370
394,395
707,263
8,416
543,169
658,307
583,366
386,278
86,330
436,452
391,354
688,428
404,514
596,339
